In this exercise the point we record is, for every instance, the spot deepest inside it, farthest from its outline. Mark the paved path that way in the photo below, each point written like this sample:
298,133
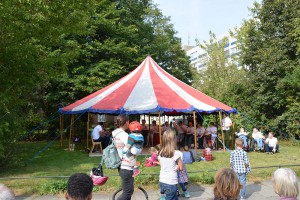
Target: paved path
255,191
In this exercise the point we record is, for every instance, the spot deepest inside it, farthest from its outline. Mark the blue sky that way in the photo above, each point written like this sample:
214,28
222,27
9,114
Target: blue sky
195,18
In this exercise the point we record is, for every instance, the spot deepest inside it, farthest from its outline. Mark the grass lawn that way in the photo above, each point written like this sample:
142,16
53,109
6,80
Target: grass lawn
56,161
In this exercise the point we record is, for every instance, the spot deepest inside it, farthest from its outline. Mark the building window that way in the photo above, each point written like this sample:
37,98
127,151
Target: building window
227,53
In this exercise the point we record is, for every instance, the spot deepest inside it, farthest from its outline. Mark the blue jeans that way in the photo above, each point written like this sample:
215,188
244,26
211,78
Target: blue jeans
183,187
169,190
259,142
245,139
242,178
270,149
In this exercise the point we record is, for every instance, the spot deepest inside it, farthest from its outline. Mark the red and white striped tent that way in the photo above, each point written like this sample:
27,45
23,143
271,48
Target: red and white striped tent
147,89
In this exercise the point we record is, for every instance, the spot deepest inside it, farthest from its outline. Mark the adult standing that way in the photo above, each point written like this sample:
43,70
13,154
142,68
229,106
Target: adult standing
226,124
190,135
165,127
125,170
212,131
145,132
181,130
100,135
153,132
200,135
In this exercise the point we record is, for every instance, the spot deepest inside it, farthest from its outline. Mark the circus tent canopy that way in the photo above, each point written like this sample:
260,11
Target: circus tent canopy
147,89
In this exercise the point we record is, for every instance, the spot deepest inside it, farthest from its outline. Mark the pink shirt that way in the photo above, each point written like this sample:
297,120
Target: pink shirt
153,157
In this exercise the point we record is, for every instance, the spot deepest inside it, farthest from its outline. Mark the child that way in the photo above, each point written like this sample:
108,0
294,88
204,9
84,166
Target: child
152,161
207,154
170,162
187,156
134,145
240,163
183,179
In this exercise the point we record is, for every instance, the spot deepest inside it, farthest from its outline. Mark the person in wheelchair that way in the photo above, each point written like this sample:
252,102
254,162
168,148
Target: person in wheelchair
258,139
243,135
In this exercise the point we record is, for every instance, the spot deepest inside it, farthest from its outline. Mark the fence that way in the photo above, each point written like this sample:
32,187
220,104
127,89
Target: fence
152,174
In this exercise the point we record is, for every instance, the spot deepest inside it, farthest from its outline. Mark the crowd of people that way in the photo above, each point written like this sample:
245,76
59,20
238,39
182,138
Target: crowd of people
229,183
172,161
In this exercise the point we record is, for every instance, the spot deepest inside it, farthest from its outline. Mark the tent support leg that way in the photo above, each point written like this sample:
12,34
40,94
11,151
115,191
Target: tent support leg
61,126
149,137
232,134
87,130
159,126
71,129
195,130
221,128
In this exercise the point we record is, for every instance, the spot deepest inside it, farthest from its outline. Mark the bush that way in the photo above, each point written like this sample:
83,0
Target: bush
53,187
204,177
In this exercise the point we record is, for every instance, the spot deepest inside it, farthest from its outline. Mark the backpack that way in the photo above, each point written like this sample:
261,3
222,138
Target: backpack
110,156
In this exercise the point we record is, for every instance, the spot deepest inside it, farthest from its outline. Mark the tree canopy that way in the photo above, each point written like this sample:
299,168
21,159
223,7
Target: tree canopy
55,52
269,44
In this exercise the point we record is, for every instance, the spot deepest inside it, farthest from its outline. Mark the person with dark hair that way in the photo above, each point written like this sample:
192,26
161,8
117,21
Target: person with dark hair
181,130
271,144
79,187
100,135
226,125
145,132
154,132
126,169
200,135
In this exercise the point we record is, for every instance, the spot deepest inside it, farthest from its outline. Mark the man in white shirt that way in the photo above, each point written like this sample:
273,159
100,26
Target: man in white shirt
271,144
100,135
226,124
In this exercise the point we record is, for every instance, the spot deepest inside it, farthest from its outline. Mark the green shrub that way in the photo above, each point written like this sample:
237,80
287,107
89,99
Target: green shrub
203,177
53,187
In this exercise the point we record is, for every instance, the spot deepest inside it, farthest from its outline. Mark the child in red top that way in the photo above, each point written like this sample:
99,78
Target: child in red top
207,154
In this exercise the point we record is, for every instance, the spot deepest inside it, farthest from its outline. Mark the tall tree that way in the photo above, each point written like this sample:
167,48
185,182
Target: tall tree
221,78
34,45
124,34
269,48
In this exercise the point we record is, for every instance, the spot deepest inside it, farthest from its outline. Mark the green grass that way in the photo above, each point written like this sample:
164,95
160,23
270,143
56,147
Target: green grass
56,161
